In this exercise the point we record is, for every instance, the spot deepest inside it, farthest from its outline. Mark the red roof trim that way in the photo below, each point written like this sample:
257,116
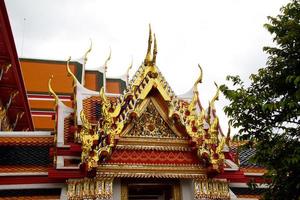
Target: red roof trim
10,45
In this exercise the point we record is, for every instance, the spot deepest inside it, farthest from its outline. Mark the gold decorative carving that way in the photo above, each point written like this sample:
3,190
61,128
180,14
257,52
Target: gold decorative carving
87,137
151,171
4,121
90,188
4,69
103,134
211,189
151,124
202,127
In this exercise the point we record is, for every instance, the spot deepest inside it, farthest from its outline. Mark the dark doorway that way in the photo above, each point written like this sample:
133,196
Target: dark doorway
151,189
150,192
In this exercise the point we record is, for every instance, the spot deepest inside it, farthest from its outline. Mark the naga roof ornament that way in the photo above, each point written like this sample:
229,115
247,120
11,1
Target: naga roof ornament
127,71
107,60
85,56
150,58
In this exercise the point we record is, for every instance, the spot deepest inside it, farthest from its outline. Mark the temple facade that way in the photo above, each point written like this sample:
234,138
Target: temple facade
78,134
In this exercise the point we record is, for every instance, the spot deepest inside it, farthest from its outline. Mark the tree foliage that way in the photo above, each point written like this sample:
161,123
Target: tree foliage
268,110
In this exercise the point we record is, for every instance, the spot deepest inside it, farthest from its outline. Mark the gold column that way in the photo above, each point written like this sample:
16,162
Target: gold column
124,191
176,192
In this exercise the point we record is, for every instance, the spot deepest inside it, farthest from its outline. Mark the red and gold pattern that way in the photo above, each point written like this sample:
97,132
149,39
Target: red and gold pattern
22,169
29,141
154,157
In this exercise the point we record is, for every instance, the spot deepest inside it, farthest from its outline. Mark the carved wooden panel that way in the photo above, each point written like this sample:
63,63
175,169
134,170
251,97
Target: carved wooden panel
151,124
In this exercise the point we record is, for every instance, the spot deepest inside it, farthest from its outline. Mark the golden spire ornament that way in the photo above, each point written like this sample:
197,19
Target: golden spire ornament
148,57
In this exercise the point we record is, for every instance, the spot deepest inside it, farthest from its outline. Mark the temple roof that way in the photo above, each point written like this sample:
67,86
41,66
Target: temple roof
25,155
12,91
245,156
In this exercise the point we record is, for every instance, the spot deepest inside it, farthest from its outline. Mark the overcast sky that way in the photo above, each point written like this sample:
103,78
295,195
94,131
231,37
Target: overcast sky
224,36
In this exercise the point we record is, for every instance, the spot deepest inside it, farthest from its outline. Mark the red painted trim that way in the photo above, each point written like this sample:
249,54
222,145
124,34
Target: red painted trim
64,97
28,180
67,152
64,174
239,177
50,113
11,47
76,147
153,157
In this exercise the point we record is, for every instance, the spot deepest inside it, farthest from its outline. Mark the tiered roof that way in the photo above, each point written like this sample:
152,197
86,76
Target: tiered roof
146,132
148,116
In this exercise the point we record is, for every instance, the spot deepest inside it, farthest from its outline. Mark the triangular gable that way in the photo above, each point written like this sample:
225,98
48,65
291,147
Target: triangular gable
151,122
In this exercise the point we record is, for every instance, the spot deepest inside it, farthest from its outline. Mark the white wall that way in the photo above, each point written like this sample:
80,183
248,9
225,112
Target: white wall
117,189
187,189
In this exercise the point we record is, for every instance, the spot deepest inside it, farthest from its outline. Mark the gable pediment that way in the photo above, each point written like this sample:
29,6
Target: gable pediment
152,122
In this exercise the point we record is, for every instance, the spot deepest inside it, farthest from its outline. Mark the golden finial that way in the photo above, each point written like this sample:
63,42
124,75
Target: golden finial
107,59
214,127
148,57
154,51
228,132
128,69
70,73
199,79
52,91
215,98
228,135
85,122
102,95
192,105
221,146
207,118
87,52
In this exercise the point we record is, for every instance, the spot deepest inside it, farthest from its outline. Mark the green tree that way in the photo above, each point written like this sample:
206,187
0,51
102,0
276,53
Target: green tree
267,111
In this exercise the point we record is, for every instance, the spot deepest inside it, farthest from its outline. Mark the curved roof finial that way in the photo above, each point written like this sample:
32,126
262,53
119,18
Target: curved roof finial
154,51
107,60
199,79
52,91
228,135
87,52
128,69
69,70
215,98
102,95
148,57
